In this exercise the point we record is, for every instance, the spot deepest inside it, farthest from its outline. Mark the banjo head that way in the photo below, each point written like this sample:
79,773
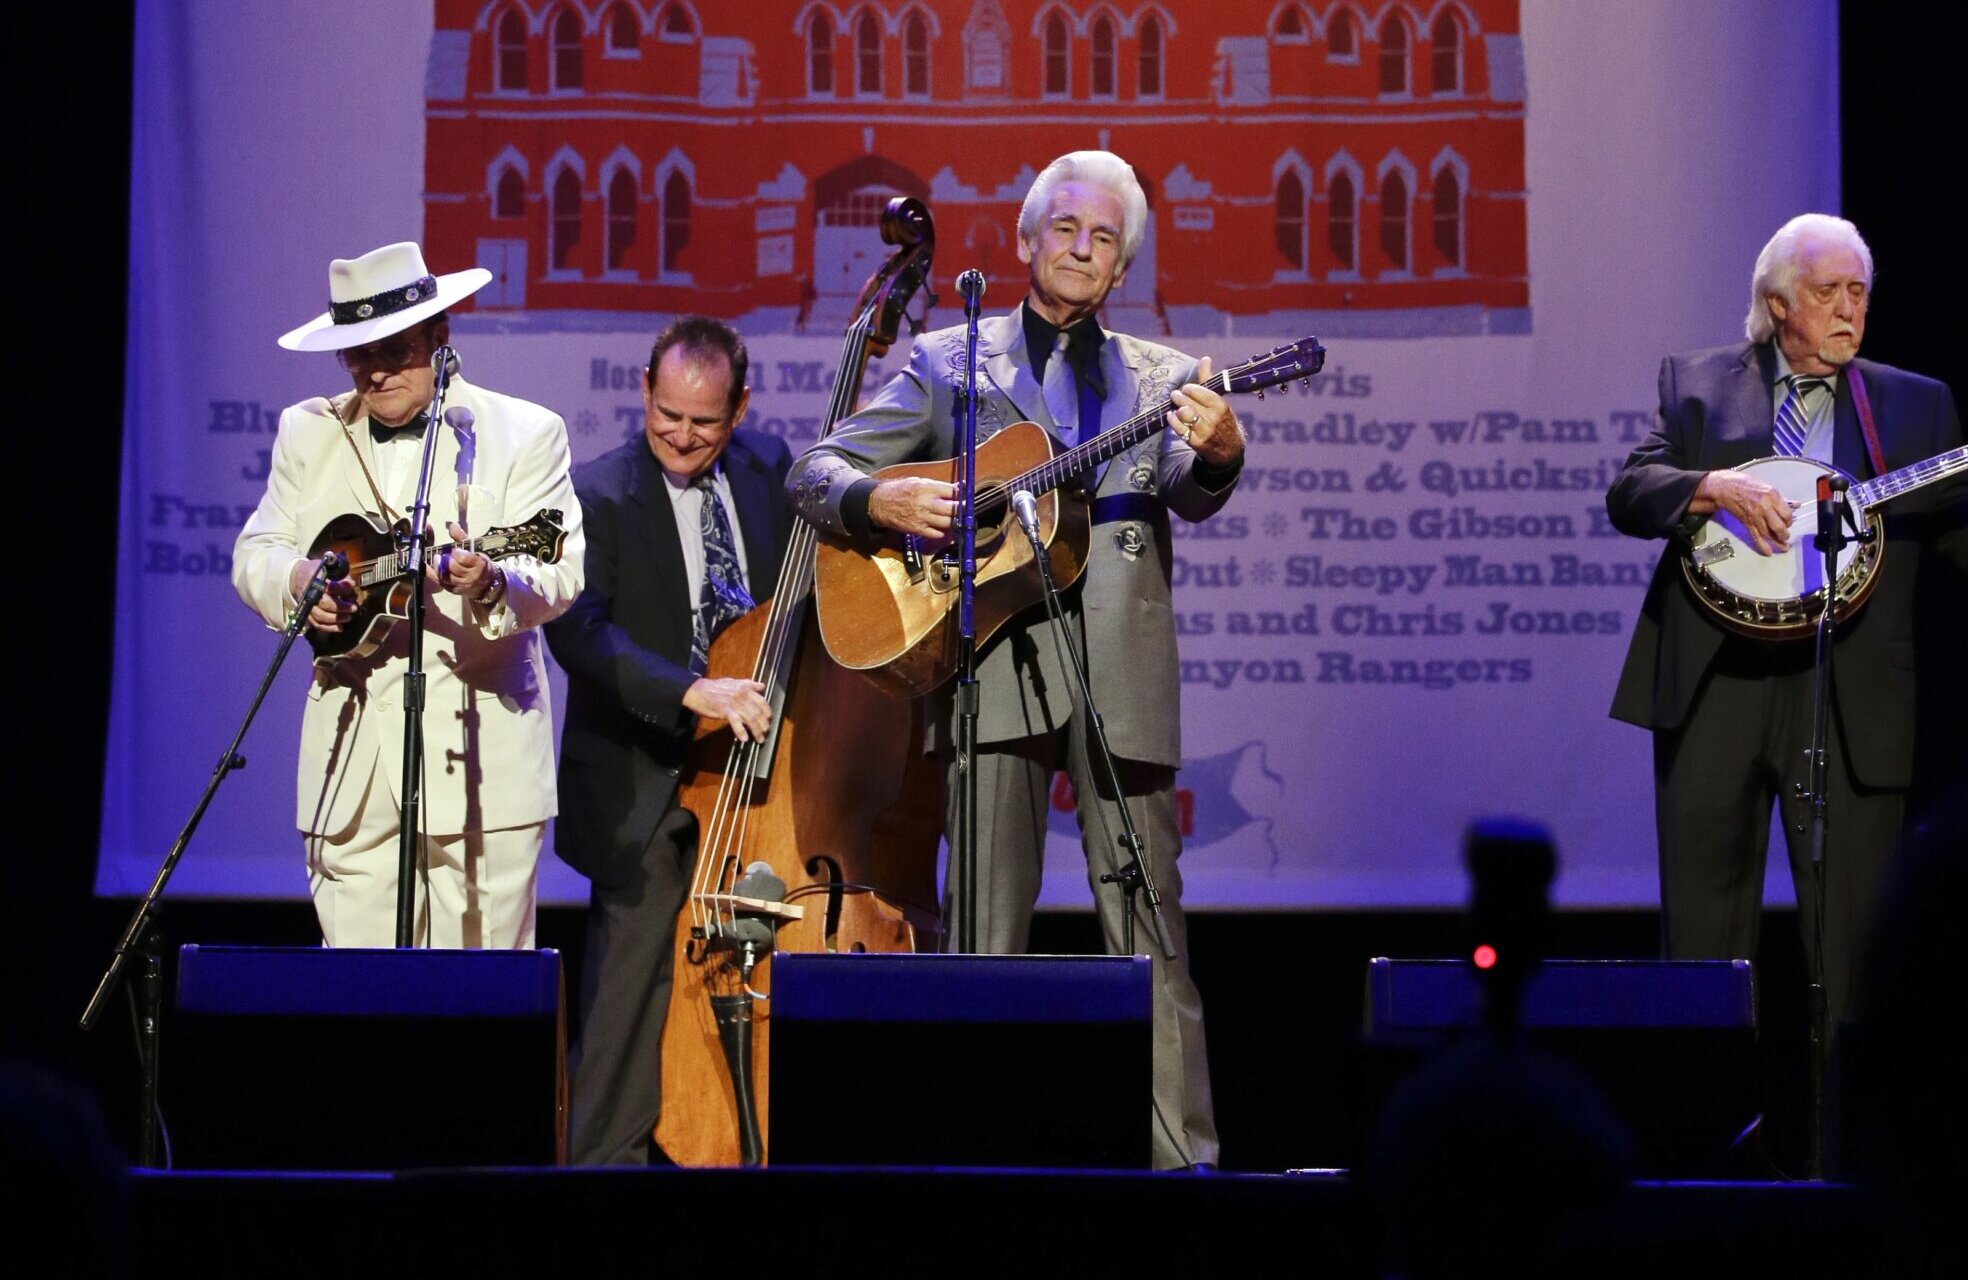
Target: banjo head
1785,575
1780,594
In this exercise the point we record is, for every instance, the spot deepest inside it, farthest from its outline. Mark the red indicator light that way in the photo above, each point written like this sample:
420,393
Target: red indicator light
1485,956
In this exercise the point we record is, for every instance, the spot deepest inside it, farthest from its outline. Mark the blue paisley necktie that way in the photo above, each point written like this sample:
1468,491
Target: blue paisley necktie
724,597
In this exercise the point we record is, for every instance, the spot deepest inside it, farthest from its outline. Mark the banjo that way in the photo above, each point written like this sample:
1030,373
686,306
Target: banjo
1779,596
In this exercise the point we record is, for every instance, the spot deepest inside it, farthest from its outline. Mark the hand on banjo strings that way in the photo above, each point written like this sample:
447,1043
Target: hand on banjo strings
1763,512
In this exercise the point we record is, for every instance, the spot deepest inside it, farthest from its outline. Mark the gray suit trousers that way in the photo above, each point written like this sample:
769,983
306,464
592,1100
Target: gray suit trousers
1013,784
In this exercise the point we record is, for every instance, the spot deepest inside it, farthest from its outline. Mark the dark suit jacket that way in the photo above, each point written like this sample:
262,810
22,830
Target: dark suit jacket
625,645
1716,412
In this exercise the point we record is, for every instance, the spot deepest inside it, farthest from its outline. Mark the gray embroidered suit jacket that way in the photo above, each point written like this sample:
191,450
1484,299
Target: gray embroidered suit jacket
1124,595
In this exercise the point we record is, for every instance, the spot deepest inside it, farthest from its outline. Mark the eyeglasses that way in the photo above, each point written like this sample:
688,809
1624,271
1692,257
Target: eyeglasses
398,352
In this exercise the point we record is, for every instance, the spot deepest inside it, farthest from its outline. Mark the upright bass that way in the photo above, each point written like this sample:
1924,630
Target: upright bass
820,838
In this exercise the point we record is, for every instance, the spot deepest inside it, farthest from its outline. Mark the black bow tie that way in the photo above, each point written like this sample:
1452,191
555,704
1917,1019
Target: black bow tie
411,430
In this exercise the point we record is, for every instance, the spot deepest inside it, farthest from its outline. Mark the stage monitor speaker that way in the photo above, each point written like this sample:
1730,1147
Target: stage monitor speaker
311,1058
1670,1044
961,1060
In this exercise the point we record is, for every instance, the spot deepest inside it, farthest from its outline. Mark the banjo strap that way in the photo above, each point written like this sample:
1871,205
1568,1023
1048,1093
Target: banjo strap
1863,404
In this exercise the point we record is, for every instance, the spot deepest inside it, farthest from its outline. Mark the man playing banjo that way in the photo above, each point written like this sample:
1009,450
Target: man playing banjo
1731,712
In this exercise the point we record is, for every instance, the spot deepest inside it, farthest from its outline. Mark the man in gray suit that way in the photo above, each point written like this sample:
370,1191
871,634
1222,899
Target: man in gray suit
1050,362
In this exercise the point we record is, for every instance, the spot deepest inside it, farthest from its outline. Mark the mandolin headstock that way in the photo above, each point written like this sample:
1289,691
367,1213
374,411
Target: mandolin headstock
541,537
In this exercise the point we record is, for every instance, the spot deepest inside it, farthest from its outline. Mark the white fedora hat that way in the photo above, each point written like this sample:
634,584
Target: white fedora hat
384,291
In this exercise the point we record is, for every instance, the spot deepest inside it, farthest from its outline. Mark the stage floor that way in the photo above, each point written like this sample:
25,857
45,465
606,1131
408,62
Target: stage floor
833,1221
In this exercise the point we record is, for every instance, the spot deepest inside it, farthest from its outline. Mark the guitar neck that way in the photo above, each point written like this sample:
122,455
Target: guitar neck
1870,493
1116,440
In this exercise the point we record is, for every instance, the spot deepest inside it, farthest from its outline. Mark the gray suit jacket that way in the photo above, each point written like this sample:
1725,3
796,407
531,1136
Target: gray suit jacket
1124,595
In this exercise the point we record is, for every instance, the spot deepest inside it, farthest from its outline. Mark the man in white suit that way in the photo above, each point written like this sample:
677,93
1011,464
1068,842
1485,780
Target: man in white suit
1052,363
488,723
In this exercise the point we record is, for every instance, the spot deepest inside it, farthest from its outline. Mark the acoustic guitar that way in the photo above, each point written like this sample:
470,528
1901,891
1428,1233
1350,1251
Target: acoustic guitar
379,569
887,606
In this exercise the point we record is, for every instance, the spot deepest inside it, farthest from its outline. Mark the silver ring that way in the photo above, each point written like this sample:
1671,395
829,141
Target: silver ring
1189,418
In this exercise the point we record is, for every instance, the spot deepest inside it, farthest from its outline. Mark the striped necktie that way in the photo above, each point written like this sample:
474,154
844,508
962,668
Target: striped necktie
1793,419
724,598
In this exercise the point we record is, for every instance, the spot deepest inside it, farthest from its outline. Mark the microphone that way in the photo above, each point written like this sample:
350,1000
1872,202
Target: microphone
753,928
971,285
1026,508
334,567
445,362
1831,490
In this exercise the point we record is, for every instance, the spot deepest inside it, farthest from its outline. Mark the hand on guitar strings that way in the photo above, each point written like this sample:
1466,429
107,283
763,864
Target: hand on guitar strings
739,703
457,569
337,603
914,504
1205,421
1764,513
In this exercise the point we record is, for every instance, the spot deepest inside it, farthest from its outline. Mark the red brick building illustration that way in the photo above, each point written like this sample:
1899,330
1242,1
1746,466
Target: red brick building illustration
1341,167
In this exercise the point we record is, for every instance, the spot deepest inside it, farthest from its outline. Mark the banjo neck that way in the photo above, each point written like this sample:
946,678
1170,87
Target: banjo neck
1867,494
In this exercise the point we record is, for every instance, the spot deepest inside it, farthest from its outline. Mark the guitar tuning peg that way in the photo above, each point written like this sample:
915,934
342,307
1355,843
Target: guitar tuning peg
1260,393
1306,383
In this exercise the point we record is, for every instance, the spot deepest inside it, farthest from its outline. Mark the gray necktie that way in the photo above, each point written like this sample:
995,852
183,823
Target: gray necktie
1793,419
1062,394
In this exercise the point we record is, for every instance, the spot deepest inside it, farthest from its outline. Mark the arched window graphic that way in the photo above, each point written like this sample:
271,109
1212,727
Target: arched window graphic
1150,57
1393,55
1289,27
1058,80
1341,220
1342,39
1291,218
624,33
1394,219
1448,216
509,53
565,231
1102,80
567,50
915,56
675,24
1447,58
621,217
820,54
867,55
676,220
509,197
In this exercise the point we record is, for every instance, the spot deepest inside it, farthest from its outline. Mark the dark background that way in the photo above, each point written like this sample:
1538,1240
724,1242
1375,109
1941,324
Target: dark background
1283,990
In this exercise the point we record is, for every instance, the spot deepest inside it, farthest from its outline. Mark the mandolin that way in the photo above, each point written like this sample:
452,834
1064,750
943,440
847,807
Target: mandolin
380,572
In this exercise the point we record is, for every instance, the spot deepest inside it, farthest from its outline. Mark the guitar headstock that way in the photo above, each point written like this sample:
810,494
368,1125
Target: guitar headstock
1299,359
541,537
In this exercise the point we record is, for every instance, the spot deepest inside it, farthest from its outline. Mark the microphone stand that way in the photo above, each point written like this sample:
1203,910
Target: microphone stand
1135,876
444,362
963,848
143,936
1833,511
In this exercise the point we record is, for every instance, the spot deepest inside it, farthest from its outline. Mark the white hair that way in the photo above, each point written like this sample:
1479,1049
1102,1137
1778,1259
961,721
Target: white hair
1102,169
1781,262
